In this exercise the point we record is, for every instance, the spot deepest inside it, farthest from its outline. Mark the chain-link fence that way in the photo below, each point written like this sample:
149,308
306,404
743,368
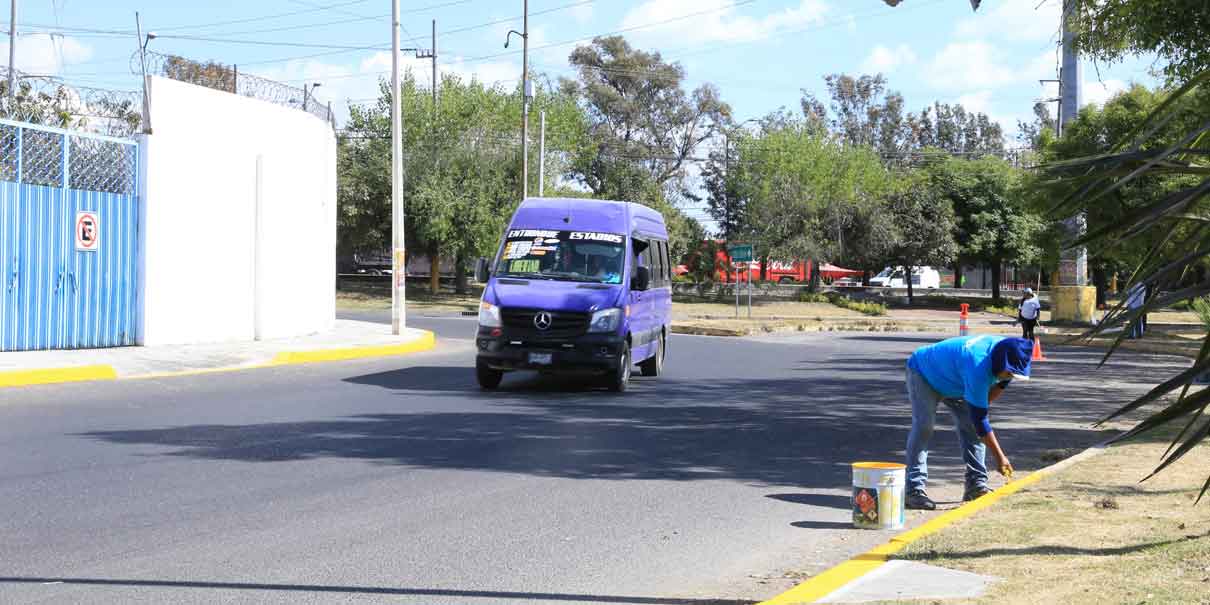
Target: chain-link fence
228,78
53,102
54,158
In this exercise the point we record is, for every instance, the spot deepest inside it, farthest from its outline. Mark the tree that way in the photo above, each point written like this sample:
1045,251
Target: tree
461,168
993,223
643,125
925,227
1111,30
802,186
953,129
863,112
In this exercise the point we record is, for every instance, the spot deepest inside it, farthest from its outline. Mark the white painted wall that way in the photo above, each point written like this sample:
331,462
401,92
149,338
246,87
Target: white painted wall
199,210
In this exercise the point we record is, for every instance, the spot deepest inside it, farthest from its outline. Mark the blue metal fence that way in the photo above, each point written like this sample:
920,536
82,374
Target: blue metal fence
68,239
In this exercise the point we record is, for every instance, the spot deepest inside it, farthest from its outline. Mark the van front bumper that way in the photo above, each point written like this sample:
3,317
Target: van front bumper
584,354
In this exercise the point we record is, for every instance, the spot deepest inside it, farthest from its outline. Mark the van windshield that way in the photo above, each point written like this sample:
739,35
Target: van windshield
582,256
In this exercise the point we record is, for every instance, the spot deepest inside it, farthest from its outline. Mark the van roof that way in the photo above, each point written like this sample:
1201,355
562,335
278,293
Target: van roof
580,214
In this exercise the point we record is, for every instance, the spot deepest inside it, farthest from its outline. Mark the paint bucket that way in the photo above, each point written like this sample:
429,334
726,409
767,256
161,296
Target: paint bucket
878,489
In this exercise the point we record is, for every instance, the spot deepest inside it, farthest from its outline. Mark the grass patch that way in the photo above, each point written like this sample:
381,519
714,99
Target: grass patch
1091,534
844,302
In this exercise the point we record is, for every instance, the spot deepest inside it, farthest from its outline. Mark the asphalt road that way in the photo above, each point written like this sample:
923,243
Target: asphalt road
396,480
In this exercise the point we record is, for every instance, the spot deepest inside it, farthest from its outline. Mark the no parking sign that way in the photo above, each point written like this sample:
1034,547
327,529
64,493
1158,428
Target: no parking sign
88,231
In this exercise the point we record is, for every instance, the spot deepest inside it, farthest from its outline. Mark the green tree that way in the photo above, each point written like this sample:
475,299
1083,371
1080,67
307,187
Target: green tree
641,120
1175,30
993,221
925,226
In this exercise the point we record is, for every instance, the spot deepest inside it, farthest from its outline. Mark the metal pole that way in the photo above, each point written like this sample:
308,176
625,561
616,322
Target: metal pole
436,82
525,101
304,104
12,52
542,154
750,289
735,286
398,266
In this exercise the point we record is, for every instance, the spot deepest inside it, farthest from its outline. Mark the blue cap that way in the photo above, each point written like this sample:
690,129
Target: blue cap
1012,354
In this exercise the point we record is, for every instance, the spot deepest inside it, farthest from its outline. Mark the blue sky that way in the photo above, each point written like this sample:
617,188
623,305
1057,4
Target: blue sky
760,53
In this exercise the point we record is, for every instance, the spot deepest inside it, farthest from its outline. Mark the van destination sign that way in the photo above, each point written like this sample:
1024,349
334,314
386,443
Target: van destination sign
592,236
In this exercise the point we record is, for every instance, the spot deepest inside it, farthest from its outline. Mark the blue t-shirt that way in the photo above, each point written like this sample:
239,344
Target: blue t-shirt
958,367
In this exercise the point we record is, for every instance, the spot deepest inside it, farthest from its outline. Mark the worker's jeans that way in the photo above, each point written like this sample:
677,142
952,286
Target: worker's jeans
924,412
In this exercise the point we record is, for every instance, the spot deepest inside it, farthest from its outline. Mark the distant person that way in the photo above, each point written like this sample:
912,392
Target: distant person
966,373
1028,313
1135,298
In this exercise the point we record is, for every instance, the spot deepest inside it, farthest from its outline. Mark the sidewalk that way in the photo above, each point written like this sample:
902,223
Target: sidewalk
348,340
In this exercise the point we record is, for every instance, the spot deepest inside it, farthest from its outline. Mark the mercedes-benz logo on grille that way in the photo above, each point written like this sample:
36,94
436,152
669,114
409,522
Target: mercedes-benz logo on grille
542,320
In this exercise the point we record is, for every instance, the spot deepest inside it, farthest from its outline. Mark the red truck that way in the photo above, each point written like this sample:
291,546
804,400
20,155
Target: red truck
725,270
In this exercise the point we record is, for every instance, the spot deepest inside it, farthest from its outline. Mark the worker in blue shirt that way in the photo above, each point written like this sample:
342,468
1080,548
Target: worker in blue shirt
966,374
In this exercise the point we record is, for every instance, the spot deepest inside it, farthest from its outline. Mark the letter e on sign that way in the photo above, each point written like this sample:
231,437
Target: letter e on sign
88,232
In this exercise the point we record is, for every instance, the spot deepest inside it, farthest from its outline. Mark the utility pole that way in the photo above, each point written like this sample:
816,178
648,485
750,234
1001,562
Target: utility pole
398,258
542,154
436,81
1073,300
12,52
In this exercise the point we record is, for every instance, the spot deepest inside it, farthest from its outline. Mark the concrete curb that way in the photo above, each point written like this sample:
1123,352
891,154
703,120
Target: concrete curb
841,575
18,378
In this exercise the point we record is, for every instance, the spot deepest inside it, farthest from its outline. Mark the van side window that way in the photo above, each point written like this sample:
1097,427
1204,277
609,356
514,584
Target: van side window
667,272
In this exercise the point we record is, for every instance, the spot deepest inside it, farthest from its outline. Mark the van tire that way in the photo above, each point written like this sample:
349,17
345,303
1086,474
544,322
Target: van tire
654,366
786,280
619,378
488,378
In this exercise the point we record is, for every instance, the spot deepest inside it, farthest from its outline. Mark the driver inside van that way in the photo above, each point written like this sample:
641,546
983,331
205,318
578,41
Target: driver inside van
604,268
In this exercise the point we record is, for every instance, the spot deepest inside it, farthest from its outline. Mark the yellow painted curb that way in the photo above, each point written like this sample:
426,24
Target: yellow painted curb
21,378
833,579
426,342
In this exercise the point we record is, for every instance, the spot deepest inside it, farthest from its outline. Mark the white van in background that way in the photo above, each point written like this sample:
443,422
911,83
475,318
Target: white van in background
922,277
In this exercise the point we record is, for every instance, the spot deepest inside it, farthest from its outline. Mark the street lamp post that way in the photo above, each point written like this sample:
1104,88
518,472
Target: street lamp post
526,94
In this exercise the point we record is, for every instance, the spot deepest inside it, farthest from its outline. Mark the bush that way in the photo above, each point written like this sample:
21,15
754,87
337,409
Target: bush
865,308
813,297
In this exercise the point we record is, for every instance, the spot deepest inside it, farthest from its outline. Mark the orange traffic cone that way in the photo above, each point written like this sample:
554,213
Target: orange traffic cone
1038,356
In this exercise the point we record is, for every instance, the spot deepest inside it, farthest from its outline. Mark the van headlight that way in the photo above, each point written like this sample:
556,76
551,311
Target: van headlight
605,320
489,315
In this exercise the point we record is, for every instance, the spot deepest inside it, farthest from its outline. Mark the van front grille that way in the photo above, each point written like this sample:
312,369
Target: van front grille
563,324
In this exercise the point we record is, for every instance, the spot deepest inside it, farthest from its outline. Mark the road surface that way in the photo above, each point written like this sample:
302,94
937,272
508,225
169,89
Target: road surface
396,480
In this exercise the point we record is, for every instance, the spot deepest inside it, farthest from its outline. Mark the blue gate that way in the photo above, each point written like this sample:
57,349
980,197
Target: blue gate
68,239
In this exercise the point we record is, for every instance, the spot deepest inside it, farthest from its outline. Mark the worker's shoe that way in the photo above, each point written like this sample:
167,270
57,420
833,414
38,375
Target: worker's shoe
918,500
975,493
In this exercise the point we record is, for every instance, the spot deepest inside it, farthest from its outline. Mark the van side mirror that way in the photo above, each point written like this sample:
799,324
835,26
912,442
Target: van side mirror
482,272
641,280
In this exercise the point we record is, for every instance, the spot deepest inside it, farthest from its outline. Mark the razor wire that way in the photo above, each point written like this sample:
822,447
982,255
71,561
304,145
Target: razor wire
53,102
227,78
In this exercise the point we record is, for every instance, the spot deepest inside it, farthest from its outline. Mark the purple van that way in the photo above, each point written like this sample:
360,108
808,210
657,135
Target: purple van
578,287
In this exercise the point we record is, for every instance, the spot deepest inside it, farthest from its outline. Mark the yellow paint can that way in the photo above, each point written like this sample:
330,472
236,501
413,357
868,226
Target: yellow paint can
878,489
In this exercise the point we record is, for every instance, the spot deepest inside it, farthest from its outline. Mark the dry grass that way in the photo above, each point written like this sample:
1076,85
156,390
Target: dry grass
761,310
1091,535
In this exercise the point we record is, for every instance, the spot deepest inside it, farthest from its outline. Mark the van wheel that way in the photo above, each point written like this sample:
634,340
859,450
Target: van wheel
488,378
785,280
619,377
655,365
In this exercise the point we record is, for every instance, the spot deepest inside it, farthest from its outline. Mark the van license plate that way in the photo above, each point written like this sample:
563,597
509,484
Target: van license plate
542,359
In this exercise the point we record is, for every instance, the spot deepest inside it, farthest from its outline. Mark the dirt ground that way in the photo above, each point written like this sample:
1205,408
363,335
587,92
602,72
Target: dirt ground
1091,534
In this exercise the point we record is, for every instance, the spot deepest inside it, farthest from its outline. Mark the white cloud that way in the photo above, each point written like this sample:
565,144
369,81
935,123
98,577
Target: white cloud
1097,93
886,60
582,13
1014,20
715,21
46,54
978,64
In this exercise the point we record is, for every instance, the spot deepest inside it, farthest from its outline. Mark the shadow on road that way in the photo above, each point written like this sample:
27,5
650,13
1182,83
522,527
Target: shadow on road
799,431
370,590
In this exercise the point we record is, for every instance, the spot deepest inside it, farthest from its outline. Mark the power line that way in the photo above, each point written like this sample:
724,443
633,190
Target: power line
261,18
